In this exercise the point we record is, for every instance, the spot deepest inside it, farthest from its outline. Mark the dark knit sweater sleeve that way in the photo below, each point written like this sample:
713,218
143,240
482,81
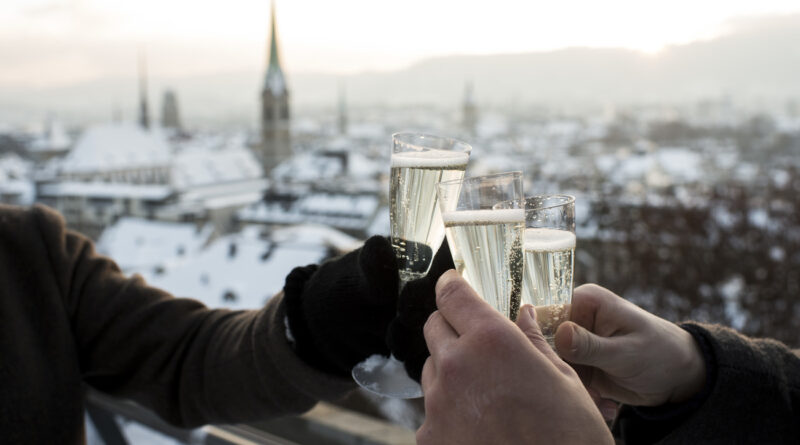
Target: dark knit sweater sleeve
752,396
190,364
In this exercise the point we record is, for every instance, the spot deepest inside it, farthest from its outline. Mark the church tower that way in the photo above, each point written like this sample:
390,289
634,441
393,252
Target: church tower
275,139
144,116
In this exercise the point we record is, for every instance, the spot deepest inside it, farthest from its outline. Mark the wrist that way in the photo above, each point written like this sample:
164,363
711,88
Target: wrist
693,373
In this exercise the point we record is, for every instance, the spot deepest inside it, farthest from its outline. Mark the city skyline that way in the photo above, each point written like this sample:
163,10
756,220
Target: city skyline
48,43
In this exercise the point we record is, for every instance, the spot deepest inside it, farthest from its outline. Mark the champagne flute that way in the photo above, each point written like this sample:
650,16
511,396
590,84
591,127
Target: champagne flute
484,218
549,245
419,162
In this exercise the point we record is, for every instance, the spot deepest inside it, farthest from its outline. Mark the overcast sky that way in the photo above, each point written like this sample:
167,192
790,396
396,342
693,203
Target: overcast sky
59,42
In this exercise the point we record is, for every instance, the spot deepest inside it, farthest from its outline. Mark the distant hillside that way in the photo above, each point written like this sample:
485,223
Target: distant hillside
758,58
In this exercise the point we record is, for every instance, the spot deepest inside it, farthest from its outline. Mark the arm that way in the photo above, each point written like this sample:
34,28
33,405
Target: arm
752,396
692,383
489,381
190,364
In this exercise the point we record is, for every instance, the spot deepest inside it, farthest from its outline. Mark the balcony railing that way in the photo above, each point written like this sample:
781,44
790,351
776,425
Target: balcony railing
324,425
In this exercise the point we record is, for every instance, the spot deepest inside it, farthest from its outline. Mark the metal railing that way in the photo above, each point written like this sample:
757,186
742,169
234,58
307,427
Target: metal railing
325,425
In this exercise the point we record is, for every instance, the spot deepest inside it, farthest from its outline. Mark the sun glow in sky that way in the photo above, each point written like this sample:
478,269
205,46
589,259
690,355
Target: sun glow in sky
58,42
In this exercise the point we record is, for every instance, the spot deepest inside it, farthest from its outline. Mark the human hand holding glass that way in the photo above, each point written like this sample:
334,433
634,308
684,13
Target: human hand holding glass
418,163
625,354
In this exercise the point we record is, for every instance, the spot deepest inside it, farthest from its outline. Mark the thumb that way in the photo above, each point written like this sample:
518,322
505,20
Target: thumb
579,346
526,321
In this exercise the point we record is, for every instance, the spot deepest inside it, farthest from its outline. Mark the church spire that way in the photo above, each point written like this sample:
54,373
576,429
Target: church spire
274,61
275,79
144,116
275,144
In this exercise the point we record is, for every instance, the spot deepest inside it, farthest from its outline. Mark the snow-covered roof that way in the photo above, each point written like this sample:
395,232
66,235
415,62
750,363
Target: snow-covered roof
112,147
106,190
311,167
209,166
315,234
54,138
243,266
680,165
137,244
179,258
336,210
15,178
13,167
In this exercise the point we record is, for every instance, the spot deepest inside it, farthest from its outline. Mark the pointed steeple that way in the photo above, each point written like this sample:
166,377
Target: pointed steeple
274,80
144,116
275,144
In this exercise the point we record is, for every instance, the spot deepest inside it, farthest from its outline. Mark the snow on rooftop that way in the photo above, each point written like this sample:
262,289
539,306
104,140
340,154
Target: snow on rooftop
311,167
316,235
54,138
240,271
136,243
237,271
116,146
680,163
15,178
106,190
362,206
208,166
336,210
13,167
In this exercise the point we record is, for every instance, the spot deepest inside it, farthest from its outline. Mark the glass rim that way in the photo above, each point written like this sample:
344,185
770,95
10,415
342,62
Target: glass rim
474,178
569,199
401,136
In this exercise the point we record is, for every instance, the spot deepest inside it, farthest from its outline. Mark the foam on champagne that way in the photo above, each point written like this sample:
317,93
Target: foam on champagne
548,240
430,159
499,216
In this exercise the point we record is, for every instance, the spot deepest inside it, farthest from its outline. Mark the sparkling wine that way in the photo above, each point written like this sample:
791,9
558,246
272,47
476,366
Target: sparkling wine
549,258
487,250
417,229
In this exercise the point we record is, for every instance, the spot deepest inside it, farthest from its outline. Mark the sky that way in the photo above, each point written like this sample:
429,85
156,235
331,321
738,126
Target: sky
47,43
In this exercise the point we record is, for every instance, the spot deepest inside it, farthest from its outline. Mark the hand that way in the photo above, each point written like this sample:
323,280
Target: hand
630,355
416,303
489,381
338,312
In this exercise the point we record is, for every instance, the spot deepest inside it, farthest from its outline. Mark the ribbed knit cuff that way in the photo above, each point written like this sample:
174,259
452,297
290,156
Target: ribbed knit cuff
676,411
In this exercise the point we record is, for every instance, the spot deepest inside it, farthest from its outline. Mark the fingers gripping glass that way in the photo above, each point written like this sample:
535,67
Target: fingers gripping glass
484,219
418,163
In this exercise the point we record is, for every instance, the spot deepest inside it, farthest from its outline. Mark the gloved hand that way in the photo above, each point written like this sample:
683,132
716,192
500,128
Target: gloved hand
416,303
338,312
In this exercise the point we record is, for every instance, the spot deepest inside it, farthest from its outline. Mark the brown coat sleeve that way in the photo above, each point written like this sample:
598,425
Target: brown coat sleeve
752,396
190,364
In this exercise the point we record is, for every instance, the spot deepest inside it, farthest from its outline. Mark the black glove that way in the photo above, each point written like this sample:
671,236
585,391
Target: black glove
338,312
416,303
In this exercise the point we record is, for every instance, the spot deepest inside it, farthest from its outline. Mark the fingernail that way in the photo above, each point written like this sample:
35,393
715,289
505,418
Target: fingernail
446,277
530,310
574,344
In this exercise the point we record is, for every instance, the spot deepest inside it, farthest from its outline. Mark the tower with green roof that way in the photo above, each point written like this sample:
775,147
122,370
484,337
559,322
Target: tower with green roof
275,144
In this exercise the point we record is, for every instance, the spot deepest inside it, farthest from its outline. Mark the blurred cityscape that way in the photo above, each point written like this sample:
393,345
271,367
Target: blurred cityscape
689,208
